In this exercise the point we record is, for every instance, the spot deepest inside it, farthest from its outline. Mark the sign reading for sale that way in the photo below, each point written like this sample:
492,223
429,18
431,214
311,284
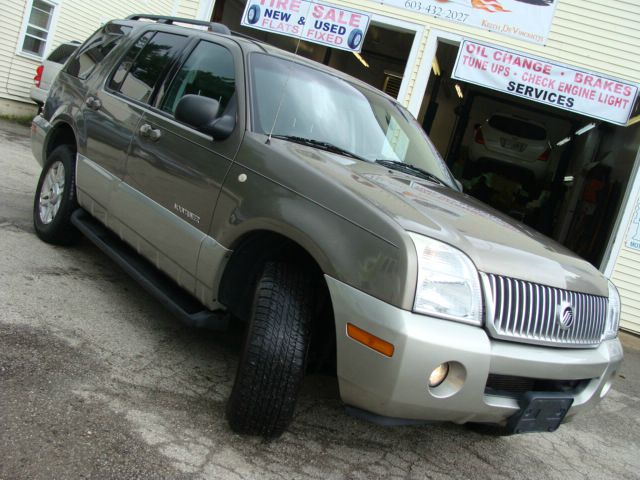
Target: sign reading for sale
311,21
545,82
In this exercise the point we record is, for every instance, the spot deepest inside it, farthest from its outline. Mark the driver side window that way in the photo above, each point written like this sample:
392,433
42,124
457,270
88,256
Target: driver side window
209,72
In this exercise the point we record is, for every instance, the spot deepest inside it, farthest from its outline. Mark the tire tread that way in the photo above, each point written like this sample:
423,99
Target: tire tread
273,361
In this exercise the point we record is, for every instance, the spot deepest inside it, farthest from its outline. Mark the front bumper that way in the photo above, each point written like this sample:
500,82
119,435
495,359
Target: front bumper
397,387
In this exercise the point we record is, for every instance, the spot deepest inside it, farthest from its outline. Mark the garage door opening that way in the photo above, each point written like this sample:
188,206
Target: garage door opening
381,63
561,173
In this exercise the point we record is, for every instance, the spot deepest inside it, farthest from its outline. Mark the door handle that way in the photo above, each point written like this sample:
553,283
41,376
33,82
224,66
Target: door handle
93,103
149,132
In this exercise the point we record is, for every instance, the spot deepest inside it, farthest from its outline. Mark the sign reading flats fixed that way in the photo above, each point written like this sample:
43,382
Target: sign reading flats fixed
544,81
311,21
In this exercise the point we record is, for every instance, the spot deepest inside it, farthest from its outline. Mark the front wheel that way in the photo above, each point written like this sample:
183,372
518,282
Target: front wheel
55,198
272,364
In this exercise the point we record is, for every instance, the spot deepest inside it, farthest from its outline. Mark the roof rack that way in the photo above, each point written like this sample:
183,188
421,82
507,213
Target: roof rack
245,36
211,26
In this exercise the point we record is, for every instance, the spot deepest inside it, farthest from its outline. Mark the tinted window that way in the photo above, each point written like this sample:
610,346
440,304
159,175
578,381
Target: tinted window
207,72
62,53
126,62
96,49
139,73
518,128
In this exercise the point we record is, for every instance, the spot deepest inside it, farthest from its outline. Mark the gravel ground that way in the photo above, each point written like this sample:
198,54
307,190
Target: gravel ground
98,381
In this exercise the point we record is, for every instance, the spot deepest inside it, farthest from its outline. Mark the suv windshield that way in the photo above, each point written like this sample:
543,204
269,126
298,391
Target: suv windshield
325,109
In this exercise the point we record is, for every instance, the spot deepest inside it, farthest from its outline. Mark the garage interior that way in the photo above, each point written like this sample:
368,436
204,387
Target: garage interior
381,63
589,162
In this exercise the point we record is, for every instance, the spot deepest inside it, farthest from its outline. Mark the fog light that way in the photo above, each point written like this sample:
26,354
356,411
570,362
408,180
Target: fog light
438,375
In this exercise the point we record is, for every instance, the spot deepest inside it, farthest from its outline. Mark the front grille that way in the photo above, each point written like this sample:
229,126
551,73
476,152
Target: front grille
516,387
527,312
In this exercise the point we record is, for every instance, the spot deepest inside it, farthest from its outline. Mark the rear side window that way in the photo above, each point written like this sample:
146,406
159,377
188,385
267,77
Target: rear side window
145,63
62,53
518,128
209,72
96,49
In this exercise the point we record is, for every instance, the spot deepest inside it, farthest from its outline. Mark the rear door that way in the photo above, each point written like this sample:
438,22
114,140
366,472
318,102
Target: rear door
179,170
105,126
112,109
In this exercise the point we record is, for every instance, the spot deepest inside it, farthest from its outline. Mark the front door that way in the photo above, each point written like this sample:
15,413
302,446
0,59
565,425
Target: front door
180,170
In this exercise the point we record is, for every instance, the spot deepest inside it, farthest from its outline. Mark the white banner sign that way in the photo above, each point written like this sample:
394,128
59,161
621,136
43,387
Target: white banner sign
545,82
311,21
528,20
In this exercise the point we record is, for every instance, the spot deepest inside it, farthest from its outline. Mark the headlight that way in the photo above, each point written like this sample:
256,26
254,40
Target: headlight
448,283
613,313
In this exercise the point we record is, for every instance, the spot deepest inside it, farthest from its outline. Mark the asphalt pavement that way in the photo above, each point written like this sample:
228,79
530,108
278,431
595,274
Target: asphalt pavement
99,381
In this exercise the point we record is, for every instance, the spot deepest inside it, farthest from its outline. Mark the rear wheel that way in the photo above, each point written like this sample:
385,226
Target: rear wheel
55,198
272,364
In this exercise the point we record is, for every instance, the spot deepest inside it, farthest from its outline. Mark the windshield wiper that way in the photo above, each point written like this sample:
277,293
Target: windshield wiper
329,147
411,170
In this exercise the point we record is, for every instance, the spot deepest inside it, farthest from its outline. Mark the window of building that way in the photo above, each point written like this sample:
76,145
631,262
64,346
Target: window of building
36,30
208,72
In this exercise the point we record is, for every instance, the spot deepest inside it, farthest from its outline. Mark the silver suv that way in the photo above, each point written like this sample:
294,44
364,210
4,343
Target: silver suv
47,72
240,183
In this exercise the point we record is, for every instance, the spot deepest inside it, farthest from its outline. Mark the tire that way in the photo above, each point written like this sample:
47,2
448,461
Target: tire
52,219
273,360
253,14
355,38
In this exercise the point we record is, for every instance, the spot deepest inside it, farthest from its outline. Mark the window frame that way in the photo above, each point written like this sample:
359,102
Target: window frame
172,74
82,48
55,4
106,86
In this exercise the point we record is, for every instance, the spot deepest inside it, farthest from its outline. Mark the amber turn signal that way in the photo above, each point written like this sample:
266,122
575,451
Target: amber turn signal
370,340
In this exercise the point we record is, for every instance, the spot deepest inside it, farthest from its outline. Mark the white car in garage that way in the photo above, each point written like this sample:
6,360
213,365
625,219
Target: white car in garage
513,143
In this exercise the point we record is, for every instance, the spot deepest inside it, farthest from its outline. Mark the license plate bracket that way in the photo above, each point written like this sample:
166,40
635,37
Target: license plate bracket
540,412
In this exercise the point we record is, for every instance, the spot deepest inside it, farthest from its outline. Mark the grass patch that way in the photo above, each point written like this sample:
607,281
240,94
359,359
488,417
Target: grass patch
19,119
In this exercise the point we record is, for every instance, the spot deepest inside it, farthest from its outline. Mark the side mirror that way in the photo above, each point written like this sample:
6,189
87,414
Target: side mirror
201,113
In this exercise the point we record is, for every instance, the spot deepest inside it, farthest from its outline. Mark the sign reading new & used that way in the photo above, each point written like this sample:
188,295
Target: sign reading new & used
311,21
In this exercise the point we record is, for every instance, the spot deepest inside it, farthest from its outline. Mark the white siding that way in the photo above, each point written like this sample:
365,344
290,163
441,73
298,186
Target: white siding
626,276
16,73
79,19
187,8
76,21
599,36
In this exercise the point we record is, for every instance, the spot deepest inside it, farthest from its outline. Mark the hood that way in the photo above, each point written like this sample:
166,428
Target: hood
495,243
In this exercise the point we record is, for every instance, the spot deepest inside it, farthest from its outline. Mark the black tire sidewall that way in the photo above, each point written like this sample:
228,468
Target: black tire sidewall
59,230
282,412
